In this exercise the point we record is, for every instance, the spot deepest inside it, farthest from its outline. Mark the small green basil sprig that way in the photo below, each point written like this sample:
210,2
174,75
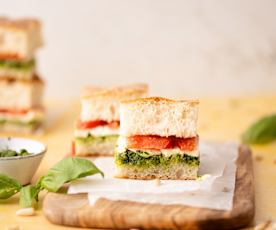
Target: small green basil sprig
262,131
65,171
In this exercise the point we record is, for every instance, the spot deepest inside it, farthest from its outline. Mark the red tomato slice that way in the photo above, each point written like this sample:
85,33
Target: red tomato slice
14,111
73,149
188,144
114,124
90,124
149,142
157,143
96,123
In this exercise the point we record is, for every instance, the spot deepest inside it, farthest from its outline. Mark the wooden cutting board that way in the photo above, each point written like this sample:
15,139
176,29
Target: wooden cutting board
74,210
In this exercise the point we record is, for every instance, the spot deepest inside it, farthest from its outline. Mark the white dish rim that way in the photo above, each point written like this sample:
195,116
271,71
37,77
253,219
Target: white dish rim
27,156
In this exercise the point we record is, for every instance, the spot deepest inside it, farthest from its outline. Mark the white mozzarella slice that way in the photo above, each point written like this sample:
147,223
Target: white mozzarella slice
98,131
30,116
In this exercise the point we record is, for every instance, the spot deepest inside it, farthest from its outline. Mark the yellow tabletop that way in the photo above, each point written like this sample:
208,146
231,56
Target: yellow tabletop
219,119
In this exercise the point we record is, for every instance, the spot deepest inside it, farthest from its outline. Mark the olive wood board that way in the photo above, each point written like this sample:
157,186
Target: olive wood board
74,210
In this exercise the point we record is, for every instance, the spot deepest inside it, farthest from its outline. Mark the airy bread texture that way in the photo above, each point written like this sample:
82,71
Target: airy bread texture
159,116
103,103
21,94
178,172
104,148
19,38
13,128
17,74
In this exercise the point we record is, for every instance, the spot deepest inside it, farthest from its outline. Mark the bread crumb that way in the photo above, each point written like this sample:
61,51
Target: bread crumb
274,160
259,157
25,212
157,182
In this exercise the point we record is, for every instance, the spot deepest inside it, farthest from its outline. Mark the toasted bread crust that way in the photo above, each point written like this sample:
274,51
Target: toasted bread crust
19,38
104,103
115,91
158,100
19,24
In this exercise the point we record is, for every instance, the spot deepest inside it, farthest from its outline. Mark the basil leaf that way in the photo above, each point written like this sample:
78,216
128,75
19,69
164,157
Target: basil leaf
67,170
38,185
143,154
8,186
262,131
28,196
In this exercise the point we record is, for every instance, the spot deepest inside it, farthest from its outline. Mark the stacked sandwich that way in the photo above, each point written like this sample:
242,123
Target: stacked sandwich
97,130
21,88
158,139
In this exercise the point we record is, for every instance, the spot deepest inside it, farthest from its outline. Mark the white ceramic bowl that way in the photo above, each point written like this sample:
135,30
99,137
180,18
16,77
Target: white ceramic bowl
21,168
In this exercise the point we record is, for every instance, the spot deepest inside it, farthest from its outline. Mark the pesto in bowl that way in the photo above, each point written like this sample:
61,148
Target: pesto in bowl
12,153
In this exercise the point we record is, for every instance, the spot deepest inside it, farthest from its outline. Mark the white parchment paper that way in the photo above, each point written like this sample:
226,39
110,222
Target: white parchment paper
214,190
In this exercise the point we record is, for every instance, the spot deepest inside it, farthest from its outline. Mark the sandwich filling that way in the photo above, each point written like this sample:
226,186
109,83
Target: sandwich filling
96,137
151,151
16,69
96,130
18,65
27,117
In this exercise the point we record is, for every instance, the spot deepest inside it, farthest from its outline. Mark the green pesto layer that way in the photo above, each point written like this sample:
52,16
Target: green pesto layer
141,159
32,123
98,139
17,65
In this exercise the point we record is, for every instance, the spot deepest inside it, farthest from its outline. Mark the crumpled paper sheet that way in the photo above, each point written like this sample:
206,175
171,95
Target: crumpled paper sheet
215,188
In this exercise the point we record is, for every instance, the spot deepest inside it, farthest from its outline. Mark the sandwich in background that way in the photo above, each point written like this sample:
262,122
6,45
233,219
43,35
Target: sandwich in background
21,89
97,129
158,139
